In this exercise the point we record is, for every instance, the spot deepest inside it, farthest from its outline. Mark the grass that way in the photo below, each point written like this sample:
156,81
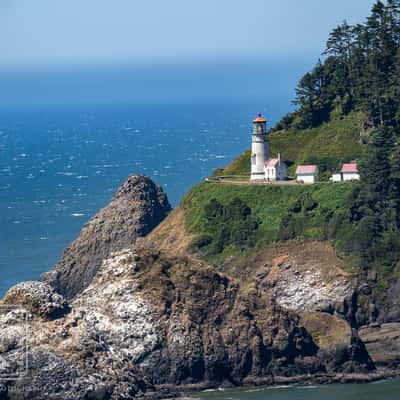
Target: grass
328,145
273,206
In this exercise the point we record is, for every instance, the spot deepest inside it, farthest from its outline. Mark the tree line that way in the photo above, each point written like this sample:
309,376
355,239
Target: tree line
361,72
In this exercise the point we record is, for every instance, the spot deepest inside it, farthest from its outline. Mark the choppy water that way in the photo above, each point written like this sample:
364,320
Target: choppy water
60,165
385,390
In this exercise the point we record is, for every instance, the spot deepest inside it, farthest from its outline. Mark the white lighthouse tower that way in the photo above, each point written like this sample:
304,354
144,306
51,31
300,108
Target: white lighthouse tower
259,148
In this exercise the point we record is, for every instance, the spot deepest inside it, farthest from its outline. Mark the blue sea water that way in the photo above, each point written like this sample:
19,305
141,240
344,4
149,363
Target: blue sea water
383,390
60,164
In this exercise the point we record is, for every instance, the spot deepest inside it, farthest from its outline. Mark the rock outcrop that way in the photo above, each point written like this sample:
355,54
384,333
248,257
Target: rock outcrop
38,298
138,207
305,286
149,320
383,344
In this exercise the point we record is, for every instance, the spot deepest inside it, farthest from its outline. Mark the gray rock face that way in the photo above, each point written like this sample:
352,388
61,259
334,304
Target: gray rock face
148,321
383,344
137,208
38,298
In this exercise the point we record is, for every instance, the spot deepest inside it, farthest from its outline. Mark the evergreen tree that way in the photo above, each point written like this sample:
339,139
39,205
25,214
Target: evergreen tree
361,72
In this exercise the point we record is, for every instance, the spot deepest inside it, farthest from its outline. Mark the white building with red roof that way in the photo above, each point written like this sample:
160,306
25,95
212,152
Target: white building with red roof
275,169
350,171
307,173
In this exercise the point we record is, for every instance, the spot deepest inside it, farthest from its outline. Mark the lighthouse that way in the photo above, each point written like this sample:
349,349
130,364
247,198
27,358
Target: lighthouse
259,148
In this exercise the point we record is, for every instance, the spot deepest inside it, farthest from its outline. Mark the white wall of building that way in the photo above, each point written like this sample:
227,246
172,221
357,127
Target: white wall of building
336,178
277,173
270,174
307,178
259,154
350,176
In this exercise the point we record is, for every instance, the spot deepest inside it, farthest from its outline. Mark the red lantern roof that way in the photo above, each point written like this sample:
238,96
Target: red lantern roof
259,118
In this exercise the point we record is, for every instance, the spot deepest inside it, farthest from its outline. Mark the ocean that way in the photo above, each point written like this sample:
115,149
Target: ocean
383,390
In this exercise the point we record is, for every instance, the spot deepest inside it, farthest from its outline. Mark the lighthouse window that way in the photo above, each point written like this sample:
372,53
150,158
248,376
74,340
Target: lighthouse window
253,159
259,128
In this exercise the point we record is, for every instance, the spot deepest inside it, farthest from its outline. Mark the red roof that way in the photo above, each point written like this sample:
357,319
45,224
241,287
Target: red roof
350,168
259,118
306,169
271,163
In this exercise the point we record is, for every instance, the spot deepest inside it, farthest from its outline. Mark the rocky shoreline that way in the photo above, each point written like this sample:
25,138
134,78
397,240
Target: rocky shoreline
187,391
122,317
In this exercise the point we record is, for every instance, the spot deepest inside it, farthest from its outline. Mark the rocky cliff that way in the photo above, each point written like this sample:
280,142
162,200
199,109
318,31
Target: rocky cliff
137,207
151,318
148,322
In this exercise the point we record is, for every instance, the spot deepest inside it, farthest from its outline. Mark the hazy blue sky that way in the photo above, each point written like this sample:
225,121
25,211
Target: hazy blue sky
37,32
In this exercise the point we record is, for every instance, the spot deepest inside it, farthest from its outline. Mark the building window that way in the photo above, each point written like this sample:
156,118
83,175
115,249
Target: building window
253,159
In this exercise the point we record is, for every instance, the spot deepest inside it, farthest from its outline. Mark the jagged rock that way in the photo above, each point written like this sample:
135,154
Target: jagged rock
303,286
365,289
383,344
325,306
38,298
340,348
138,206
148,319
390,304
52,376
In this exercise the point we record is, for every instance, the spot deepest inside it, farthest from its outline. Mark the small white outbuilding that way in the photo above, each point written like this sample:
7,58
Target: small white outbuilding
350,172
307,174
275,169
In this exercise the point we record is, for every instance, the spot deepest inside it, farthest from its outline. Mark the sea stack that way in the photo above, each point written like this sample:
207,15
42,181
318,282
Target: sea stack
137,208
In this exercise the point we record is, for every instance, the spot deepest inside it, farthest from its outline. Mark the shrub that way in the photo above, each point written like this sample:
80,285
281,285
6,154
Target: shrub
199,242
230,224
296,206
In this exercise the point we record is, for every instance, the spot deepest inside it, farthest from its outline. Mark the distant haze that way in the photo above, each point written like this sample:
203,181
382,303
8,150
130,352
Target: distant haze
62,32
86,51
222,81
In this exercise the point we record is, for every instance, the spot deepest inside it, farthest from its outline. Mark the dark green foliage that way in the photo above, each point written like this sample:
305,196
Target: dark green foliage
239,218
360,72
326,165
288,228
199,242
309,204
296,207
285,122
375,208
230,224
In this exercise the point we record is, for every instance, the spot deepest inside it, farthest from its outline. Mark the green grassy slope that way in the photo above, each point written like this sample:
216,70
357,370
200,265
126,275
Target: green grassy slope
301,211
328,145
